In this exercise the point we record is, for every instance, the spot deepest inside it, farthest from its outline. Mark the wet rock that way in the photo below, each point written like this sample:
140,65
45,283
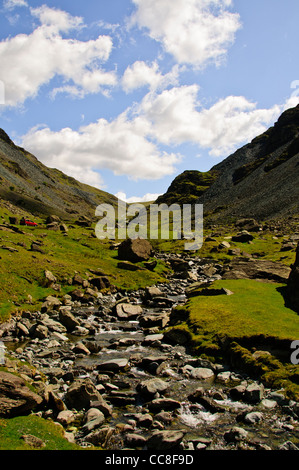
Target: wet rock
165,404
135,440
153,320
82,393
253,417
236,434
152,386
165,440
126,311
113,365
254,393
200,373
288,445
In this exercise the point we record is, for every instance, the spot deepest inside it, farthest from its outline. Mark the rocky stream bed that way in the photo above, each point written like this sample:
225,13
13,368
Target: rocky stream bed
114,380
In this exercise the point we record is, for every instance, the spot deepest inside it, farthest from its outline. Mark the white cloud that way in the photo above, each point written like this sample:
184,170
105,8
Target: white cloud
146,198
176,116
11,4
120,146
194,31
30,61
132,144
141,74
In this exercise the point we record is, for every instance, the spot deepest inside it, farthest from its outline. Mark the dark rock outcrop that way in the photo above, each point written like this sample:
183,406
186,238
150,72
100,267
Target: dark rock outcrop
293,284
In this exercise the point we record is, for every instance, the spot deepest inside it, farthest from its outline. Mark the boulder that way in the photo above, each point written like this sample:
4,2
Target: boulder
126,311
67,319
101,282
293,284
135,250
16,398
82,393
165,440
243,237
152,386
248,268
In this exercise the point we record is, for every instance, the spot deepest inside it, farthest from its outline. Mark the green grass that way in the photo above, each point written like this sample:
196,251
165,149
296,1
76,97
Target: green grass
255,308
231,327
22,271
50,433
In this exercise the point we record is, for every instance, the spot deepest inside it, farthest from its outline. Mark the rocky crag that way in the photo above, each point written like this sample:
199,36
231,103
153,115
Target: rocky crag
260,180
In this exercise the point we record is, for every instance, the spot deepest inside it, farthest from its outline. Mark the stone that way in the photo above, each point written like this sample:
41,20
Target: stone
113,365
236,434
33,441
100,282
100,436
154,320
15,397
65,417
165,440
201,373
135,250
82,393
166,404
50,279
94,418
254,393
152,386
128,311
243,237
68,319
241,268
151,292
38,331
50,303
135,440
253,417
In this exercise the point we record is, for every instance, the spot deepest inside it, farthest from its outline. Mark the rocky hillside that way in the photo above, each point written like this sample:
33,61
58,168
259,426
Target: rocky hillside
260,180
30,186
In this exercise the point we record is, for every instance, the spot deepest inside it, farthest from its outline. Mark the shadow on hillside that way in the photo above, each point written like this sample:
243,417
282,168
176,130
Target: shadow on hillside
285,294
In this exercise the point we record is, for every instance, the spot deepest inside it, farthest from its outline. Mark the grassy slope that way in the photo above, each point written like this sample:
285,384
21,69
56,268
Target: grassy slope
22,271
11,431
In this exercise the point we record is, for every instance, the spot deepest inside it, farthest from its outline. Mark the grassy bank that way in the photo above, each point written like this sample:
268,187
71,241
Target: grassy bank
232,327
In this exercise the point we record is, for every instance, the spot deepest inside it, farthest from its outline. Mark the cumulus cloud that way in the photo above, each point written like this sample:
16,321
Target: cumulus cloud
30,61
194,32
133,143
141,74
120,146
176,116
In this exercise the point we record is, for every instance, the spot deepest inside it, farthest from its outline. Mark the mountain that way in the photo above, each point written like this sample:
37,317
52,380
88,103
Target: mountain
36,189
259,180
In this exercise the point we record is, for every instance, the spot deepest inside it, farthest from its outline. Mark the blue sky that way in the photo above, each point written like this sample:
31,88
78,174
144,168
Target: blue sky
126,94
